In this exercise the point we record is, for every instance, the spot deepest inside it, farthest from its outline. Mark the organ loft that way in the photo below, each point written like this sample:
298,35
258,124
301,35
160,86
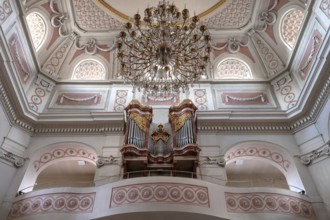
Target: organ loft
169,148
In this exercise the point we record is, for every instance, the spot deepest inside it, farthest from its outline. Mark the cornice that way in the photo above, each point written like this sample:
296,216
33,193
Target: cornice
208,122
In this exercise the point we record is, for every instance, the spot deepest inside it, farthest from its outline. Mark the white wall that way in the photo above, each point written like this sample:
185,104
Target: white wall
7,171
13,140
316,137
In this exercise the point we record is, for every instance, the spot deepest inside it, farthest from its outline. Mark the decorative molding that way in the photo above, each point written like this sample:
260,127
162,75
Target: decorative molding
53,64
71,203
81,100
17,161
200,97
41,81
173,193
161,99
268,18
5,11
58,20
316,42
309,56
286,91
307,159
258,202
235,14
233,45
261,152
70,151
267,54
325,7
111,160
20,58
244,98
121,100
212,160
90,17
40,89
91,47
279,82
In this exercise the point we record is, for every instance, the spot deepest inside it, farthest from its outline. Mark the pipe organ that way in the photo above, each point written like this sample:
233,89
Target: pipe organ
170,146
138,119
183,121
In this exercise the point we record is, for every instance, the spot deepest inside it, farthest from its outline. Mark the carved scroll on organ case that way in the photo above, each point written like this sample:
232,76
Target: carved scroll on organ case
183,122
138,118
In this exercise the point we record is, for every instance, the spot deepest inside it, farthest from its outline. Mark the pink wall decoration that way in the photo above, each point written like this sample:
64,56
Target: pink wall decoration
261,152
19,58
289,96
89,16
73,203
325,7
121,99
244,98
172,193
269,203
5,11
37,98
70,152
163,99
78,98
200,99
310,53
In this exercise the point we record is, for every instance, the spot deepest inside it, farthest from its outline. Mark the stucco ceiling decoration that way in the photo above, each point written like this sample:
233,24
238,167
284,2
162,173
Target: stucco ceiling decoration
126,10
90,17
236,14
214,13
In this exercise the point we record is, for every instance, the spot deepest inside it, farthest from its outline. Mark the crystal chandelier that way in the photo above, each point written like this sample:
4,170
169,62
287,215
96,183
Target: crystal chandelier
164,52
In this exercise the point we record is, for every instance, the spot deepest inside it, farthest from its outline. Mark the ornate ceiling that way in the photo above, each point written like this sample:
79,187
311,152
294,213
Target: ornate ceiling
62,64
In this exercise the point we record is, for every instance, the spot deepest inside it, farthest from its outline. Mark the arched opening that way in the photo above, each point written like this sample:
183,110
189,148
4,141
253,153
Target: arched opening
67,173
291,23
89,69
233,68
56,164
254,173
38,29
259,163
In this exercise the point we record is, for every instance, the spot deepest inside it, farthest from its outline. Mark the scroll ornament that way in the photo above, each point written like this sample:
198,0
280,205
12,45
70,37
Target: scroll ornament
58,20
233,45
111,160
17,161
91,47
307,159
178,121
210,160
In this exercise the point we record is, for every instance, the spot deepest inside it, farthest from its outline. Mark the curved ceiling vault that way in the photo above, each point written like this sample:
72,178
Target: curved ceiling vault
66,70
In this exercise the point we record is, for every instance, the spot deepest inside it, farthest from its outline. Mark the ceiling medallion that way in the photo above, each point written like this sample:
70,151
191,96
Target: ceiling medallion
164,52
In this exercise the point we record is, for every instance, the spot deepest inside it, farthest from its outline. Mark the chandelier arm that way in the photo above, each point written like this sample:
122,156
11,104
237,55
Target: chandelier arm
140,41
146,37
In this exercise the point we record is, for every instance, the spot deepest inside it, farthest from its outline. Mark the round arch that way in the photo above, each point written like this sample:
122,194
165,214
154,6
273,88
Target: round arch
40,27
270,153
55,153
